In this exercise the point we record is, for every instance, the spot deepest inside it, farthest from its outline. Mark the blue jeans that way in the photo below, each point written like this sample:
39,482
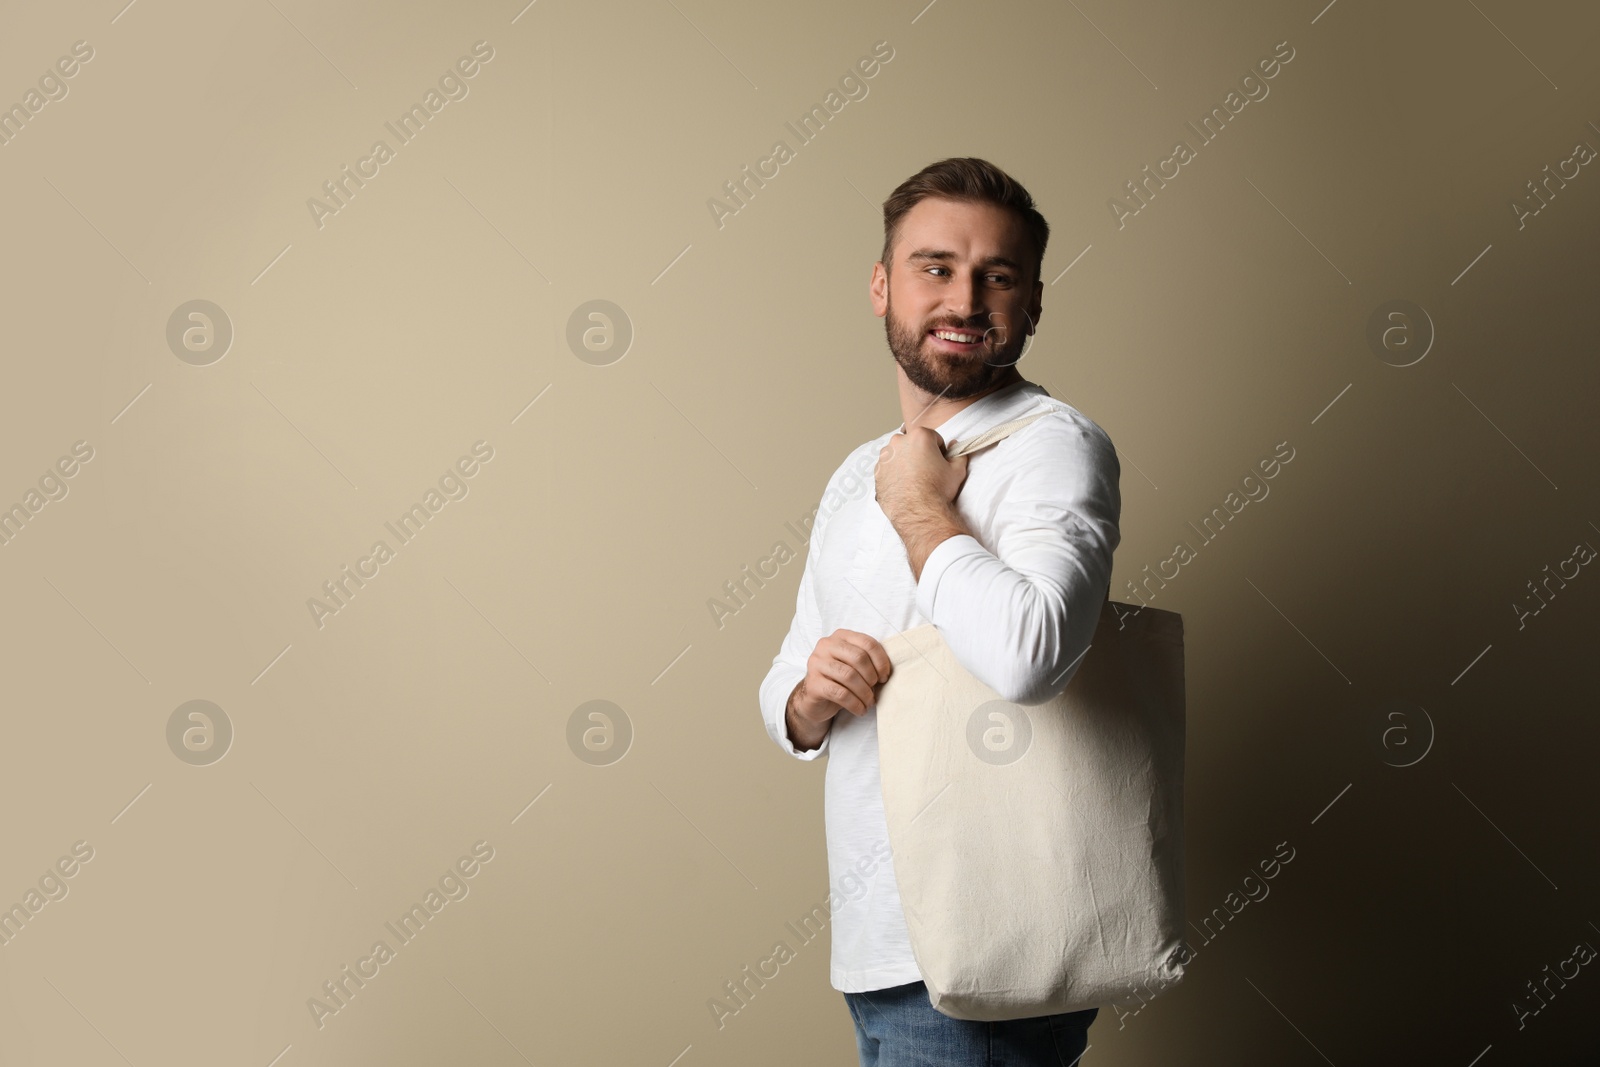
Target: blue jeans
899,1027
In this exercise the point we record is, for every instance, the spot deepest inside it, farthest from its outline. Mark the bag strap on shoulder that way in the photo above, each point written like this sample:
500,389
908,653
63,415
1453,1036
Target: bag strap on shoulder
993,435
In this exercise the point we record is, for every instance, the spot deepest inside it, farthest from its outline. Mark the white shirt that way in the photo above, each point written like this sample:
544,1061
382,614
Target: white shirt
1017,604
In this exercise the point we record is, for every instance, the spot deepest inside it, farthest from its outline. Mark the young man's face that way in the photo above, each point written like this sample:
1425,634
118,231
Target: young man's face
963,267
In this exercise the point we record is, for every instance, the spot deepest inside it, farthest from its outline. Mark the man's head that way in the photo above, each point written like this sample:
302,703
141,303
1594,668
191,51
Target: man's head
963,248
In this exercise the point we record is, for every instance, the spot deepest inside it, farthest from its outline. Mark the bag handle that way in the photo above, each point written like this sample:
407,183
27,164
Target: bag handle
993,435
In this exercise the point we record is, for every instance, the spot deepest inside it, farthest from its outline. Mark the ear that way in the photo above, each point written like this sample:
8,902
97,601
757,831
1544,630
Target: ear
878,290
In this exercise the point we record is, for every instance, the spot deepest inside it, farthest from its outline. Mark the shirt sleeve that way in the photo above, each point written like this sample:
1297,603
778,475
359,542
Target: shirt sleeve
789,665
1021,617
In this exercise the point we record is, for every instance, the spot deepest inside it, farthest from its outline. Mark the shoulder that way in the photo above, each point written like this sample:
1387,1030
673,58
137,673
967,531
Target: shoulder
1063,434
1062,463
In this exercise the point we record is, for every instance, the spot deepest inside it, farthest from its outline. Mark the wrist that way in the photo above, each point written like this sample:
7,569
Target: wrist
804,733
927,529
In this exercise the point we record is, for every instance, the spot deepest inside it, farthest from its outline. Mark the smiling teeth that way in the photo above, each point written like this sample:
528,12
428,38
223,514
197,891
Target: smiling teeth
951,335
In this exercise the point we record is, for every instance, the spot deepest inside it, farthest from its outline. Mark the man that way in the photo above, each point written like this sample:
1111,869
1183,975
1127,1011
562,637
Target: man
1007,551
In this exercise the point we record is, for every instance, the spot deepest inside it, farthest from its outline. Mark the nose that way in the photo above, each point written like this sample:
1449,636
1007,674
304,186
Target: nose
965,299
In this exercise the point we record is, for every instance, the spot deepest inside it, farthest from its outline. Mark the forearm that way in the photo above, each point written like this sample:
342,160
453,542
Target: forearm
803,734
925,529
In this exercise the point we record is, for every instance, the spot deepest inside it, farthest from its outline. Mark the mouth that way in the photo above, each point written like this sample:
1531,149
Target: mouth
962,341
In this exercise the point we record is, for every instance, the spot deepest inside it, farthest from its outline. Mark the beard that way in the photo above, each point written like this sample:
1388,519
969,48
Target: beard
942,374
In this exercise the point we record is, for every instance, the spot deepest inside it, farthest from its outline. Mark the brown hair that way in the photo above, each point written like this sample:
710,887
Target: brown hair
970,179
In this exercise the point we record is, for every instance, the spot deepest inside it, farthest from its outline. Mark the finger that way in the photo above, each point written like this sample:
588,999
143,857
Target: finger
845,687
874,663
824,691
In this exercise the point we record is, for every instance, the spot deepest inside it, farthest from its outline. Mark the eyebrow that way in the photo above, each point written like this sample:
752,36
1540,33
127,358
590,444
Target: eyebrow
940,254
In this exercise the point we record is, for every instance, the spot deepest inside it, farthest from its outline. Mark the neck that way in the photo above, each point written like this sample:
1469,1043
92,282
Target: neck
920,408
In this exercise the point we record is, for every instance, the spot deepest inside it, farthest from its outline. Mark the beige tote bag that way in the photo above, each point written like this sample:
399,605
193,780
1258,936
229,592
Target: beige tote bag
1039,850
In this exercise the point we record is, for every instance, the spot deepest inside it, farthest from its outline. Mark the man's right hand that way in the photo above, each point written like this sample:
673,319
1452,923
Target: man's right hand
841,675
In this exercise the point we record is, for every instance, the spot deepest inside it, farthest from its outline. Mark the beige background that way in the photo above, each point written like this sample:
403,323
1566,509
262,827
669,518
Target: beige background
370,754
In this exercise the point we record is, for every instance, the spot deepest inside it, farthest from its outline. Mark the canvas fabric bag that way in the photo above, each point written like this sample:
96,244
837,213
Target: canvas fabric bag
1039,850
